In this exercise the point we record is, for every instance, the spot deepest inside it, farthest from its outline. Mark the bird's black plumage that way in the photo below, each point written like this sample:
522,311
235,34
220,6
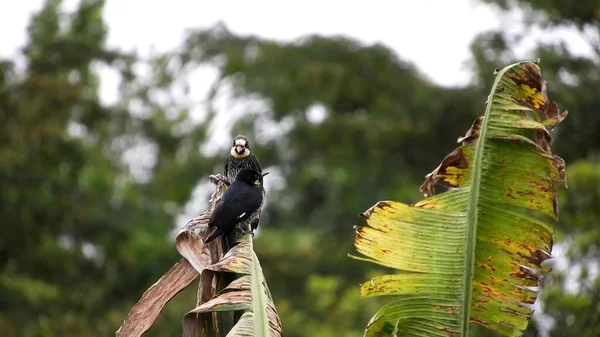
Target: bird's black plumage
240,157
240,203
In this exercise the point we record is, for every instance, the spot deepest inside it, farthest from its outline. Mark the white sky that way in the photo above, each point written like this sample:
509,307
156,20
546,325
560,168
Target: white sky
434,34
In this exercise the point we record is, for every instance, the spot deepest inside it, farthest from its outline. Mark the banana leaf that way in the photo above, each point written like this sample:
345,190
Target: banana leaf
474,253
248,292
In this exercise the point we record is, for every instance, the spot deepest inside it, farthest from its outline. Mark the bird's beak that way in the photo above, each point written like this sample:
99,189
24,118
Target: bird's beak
240,149
264,174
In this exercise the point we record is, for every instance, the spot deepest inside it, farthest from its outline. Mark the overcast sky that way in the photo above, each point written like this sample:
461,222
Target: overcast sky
434,34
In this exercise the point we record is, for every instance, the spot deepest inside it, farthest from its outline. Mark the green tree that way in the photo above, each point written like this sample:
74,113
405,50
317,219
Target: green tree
80,233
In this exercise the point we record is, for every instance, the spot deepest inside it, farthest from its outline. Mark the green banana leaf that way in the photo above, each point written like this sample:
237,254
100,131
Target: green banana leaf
474,253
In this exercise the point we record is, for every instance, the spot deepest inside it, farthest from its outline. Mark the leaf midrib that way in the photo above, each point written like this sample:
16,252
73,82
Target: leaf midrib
472,210
259,301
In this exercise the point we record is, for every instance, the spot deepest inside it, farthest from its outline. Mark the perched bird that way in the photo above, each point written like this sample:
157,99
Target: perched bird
239,205
240,156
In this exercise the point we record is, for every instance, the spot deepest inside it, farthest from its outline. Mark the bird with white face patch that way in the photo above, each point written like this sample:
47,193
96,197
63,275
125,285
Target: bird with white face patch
240,156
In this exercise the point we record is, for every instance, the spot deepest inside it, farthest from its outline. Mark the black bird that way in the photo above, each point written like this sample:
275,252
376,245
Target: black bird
240,156
240,204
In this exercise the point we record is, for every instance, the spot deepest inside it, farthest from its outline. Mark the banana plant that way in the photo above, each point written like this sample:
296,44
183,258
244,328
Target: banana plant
247,293
233,299
474,253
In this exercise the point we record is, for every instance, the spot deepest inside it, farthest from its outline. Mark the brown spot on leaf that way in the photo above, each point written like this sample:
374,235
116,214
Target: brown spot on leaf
473,134
428,186
381,204
536,257
448,331
479,321
447,308
528,75
386,251
384,204
506,324
509,193
509,139
543,139
456,159
526,192
513,312
526,273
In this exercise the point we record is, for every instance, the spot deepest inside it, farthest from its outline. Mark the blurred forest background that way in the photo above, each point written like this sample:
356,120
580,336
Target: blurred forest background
90,192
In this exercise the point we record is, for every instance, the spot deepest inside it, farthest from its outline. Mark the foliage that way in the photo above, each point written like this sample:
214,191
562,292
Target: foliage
80,235
570,54
489,233
90,190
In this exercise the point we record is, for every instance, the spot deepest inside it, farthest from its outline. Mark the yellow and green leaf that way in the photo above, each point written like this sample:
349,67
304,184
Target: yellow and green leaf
474,253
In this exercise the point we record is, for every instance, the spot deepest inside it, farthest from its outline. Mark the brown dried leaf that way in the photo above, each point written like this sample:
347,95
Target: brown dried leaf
197,257
473,134
452,171
146,310
190,244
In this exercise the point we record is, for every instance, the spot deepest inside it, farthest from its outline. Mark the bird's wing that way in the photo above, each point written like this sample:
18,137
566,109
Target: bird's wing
235,207
214,233
255,163
226,167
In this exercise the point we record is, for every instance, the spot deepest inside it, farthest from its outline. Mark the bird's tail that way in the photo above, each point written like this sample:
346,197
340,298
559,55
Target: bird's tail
216,232
229,240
